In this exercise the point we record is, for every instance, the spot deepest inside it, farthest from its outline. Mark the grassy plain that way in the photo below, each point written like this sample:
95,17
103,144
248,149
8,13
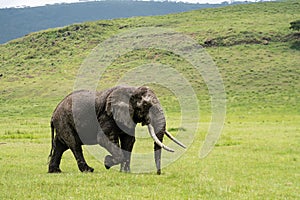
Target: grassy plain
257,156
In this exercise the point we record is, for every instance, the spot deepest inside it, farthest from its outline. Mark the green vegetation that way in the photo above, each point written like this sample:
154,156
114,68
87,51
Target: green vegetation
295,25
21,21
257,156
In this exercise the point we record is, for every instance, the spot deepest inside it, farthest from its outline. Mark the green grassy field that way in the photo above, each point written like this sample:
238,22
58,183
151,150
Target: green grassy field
257,156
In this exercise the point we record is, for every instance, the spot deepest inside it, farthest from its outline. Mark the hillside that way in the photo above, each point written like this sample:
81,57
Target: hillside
256,52
21,21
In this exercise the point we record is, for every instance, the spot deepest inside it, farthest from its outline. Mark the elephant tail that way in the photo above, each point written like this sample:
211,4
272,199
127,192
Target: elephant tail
52,140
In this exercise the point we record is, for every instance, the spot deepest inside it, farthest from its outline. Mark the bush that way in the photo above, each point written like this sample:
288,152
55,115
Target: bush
295,25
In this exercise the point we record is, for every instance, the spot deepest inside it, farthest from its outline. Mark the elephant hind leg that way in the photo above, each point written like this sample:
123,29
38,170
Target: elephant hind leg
82,165
59,149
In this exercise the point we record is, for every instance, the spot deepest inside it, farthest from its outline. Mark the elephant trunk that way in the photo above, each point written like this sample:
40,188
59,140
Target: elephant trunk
157,129
156,140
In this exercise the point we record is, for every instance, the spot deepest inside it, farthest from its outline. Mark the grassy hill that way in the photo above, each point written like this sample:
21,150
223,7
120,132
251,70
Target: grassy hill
252,45
21,21
258,153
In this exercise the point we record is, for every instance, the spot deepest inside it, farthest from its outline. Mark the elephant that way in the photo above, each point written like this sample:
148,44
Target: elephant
107,118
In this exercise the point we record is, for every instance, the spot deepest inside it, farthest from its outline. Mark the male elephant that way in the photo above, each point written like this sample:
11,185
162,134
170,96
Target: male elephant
107,118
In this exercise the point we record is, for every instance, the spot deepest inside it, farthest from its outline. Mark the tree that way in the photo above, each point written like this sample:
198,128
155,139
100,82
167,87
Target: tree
295,25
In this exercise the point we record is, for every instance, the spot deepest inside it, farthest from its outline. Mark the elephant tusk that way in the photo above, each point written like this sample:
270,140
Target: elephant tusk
175,140
156,140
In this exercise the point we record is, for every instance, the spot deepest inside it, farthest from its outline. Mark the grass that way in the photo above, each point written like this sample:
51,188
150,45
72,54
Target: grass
257,156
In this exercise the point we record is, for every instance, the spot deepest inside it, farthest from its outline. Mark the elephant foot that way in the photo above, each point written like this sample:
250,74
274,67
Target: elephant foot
88,169
54,170
83,167
125,167
125,171
108,162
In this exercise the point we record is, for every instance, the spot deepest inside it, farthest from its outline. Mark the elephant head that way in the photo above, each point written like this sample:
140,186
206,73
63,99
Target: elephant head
131,105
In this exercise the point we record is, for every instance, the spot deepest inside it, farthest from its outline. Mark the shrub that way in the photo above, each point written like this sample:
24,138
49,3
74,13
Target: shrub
295,25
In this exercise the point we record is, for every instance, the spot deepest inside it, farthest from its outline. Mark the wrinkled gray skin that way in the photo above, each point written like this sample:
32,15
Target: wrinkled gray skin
107,118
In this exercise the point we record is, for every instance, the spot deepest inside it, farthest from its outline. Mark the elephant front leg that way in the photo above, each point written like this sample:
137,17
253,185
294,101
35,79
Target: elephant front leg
157,152
111,144
125,165
127,143
157,157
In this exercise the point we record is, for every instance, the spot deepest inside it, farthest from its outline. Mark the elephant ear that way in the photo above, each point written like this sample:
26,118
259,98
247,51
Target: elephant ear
118,106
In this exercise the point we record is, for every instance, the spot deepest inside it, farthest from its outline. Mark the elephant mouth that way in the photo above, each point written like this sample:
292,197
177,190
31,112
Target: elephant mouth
141,117
146,121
